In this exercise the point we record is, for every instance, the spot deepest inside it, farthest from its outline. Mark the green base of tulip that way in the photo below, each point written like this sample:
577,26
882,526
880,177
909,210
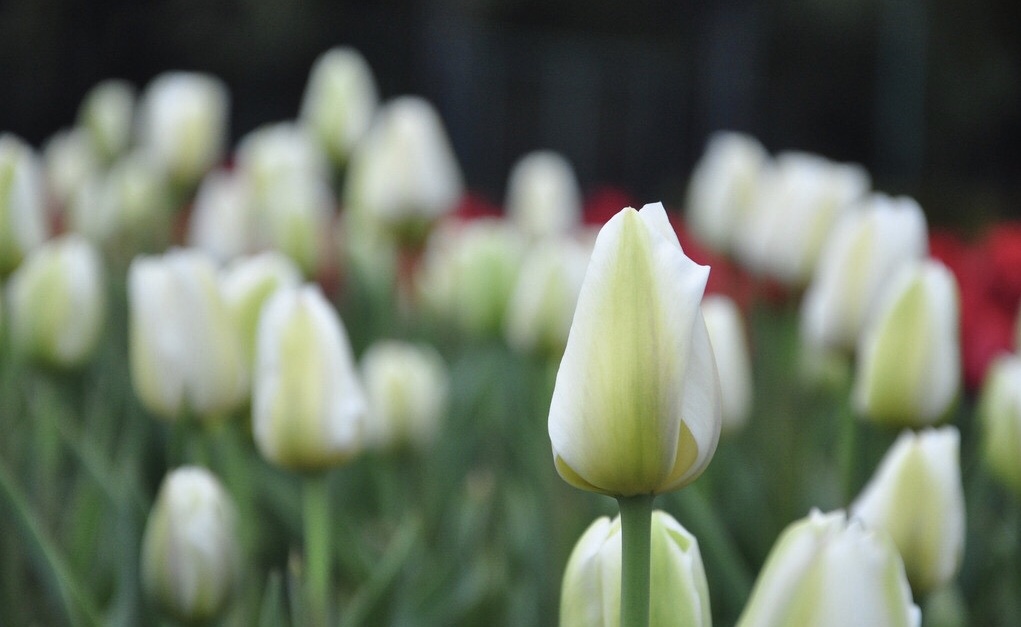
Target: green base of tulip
636,527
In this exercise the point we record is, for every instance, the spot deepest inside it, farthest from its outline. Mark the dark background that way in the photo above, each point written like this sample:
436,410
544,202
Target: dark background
926,95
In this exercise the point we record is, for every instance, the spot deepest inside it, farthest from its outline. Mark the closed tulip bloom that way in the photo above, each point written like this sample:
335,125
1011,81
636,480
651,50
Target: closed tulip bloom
308,407
183,123
590,596
190,552
406,386
223,219
1000,412
70,160
827,571
863,251
917,497
23,221
404,174
730,348
185,347
57,300
340,100
723,187
636,407
295,220
248,282
279,151
543,197
909,364
107,115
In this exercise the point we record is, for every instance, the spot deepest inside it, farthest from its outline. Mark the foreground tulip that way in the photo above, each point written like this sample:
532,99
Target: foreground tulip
543,197
733,365
1000,412
590,596
917,497
23,222
190,553
57,300
827,572
723,188
308,407
636,408
406,386
185,348
909,362
339,101
106,114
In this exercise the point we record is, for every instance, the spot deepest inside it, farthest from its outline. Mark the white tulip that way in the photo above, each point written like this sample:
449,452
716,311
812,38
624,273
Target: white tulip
223,220
827,572
917,497
730,348
340,100
909,362
279,151
23,220
862,252
543,196
106,114
636,407
308,407
70,160
1000,412
248,282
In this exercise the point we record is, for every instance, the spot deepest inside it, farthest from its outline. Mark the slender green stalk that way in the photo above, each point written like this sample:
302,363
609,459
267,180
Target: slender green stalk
848,452
317,545
635,574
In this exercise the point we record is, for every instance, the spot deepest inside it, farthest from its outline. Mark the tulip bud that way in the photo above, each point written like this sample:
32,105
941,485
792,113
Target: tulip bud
723,188
248,283
917,497
404,174
862,252
1000,412
730,349
223,219
296,220
183,123
406,386
636,407
909,363
824,570
541,307
543,197
70,160
185,348
469,272
798,201
57,302
106,114
308,408
678,590
23,222
190,553
340,100
276,152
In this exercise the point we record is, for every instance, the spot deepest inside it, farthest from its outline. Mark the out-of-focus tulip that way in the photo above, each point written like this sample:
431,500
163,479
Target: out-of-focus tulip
723,187
106,114
57,300
308,407
406,386
862,252
185,347
469,272
636,407
404,174
276,152
798,201
70,160
296,220
543,197
340,100
909,363
183,123
190,552
248,282
824,570
1000,412
23,222
730,348
917,497
541,307
678,590
223,219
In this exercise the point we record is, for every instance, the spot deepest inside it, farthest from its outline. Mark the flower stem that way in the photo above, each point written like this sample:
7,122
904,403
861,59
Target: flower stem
848,453
636,529
316,495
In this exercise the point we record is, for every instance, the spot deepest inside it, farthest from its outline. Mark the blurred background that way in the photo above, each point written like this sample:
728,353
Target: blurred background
926,95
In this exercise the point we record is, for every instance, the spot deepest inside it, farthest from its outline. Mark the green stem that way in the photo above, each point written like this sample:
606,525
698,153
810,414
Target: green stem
848,452
317,544
635,573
